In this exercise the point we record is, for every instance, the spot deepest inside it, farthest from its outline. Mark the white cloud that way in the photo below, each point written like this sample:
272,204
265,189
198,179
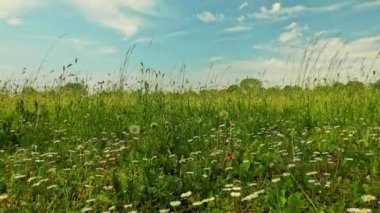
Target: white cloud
144,40
242,6
278,12
214,59
14,21
240,19
177,33
208,17
11,10
124,16
365,47
107,50
236,29
372,3
293,32
79,43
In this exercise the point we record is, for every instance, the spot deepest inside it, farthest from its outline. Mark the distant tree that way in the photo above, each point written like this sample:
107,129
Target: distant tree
376,84
251,83
338,85
292,88
355,84
76,88
233,88
29,90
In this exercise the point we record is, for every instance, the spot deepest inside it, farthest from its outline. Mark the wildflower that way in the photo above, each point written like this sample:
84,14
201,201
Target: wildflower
229,168
186,194
3,197
208,199
229,156
260,191
236,188
357,210
36,184
31,179
250,197
134,129
86,209
108,187
90,200
311,173
368,198
164,210
175,203
285,174
19,176
127,206
223,115
198,203
52,187
235,194
275,180
328,184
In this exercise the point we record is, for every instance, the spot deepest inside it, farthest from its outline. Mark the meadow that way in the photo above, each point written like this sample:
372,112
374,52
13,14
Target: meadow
241,149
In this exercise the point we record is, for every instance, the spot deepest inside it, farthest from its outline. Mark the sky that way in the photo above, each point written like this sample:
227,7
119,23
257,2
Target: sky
208,41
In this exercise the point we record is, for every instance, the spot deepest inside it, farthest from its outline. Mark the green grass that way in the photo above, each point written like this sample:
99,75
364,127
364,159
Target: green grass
288,150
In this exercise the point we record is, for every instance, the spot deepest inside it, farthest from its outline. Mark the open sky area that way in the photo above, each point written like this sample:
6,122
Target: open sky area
219,40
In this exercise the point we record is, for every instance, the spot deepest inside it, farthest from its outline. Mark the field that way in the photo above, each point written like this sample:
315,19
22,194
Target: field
237,150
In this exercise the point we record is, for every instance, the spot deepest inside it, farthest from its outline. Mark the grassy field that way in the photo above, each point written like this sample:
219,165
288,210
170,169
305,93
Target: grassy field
241,150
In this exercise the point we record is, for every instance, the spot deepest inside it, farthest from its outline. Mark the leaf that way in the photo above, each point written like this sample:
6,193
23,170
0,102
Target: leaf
295,203
103,198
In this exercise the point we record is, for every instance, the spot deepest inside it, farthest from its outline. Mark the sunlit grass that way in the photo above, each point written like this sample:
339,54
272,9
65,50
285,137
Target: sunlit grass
290,150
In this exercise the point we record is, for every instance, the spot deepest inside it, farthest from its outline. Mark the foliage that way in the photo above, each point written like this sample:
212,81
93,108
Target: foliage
251,83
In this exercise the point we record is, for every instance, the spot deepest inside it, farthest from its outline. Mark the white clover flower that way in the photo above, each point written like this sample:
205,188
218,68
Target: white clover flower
357,210
311,173
128,206
90,200
250,197
368,198
208,199
235,194
19,176
134,130
52,187
175,203
186,194
86,210
198,203
3,197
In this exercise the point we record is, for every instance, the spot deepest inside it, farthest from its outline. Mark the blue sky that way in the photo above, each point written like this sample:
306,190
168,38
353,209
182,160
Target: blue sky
235,39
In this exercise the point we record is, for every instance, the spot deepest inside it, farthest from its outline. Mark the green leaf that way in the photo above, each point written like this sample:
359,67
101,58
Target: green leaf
295,203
